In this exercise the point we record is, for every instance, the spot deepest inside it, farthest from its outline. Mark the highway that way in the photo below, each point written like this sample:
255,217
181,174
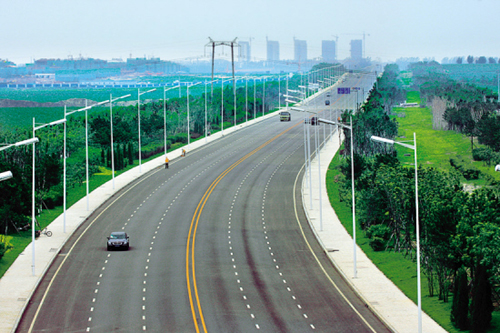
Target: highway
219,243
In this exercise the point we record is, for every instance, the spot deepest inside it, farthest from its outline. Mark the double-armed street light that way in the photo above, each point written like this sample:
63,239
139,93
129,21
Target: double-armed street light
8,174
417,227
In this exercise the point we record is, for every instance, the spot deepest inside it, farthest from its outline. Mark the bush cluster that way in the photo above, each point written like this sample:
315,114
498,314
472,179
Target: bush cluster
466,169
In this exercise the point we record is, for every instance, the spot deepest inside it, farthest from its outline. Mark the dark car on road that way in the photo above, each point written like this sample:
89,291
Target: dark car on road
118,240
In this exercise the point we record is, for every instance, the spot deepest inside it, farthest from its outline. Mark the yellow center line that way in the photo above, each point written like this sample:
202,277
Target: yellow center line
190,246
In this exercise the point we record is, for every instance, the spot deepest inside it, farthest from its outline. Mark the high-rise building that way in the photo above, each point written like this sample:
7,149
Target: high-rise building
328,51
356,49
273,50
245,54
300,50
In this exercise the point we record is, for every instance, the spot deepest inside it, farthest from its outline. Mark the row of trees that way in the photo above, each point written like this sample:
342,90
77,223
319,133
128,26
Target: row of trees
470,110
479,60
15,194
459,232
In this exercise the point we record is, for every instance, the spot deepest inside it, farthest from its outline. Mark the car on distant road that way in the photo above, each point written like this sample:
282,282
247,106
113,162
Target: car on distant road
285,116
327,102
118,240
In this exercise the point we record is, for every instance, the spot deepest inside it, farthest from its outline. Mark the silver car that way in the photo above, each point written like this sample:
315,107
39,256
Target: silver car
118,240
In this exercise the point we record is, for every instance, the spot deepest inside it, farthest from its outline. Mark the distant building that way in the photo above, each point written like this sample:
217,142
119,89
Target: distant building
244,51
328,49
356,49
300,50
273,50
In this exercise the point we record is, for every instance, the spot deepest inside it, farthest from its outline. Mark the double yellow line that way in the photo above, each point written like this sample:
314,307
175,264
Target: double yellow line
190,246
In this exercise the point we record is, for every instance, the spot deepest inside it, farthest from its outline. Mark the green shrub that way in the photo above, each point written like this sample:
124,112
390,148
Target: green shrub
4,245
377,244
482,154
180,137
176,145
54,197
467,170
378,234
379,230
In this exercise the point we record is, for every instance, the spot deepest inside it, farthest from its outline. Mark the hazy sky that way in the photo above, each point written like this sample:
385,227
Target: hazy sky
171,30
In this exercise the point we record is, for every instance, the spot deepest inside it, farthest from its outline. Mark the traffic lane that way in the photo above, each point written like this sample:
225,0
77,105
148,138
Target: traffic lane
60,308
233,267
155,208
329,310
277,318
175,316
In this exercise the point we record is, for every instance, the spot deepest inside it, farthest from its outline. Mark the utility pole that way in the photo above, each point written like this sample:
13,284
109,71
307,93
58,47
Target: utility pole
213,44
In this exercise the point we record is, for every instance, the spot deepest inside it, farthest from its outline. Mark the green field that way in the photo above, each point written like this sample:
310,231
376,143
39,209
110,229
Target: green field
435,148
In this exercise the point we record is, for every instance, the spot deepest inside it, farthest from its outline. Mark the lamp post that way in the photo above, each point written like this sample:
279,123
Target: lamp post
246,99
86,108
189,134
8,174
35,128
222,105
139,93
414,147
254,99
279,93
234,96
308,153
264,96
352,189
111,100
165,115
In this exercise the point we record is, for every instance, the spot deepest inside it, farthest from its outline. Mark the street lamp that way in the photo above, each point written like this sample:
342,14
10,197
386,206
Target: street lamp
307,135
5,175
414,147
222,105
20,143
165,115
57,122
8,174
111,100
189,134
86,108
139,93
352,189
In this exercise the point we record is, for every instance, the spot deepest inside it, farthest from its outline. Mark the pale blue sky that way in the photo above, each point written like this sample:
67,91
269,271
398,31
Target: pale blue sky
33,29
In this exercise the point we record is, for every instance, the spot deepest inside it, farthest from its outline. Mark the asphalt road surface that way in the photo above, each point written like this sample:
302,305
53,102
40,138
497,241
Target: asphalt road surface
218,243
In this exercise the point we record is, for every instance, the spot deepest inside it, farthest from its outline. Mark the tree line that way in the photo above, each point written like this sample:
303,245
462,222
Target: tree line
459,231
15,193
